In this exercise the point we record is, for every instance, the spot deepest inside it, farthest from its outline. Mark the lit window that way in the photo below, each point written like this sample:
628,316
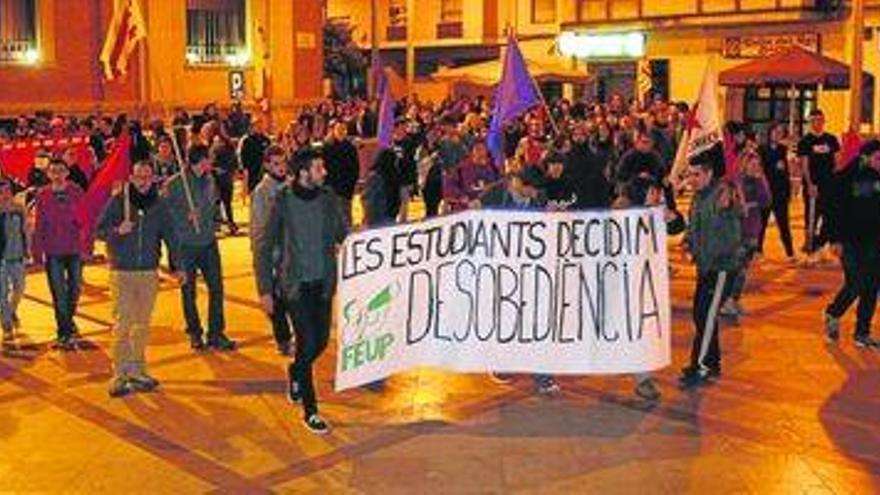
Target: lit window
18,41
543,11
450,11
215,32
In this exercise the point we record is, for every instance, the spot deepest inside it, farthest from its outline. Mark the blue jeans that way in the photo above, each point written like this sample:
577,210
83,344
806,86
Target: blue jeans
205,259
12,278
65,280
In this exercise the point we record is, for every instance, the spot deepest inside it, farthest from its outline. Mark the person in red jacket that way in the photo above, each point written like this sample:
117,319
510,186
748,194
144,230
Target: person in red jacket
56,244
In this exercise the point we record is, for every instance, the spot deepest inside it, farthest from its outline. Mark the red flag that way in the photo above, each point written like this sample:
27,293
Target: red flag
116,169
126,28
731,167
849,148
17,159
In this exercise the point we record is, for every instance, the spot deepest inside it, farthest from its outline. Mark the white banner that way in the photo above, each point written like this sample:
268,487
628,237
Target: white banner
582,292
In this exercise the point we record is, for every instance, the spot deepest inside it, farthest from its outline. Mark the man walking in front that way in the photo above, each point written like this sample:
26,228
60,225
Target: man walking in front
57,244
191,197
13,251
262,199
133,224
714,239
306,225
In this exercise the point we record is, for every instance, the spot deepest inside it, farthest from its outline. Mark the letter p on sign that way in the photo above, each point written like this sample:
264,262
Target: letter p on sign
236,84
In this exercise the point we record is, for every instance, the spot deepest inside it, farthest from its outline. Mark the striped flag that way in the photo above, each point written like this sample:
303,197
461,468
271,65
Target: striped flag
126,28
644,81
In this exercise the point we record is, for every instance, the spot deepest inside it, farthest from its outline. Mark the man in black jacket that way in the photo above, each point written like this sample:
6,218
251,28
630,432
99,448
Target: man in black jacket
134,223
250,154
584,169
306,226
343,167
854,230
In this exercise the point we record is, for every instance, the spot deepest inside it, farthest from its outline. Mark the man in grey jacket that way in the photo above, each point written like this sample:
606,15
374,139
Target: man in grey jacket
305,223
133,224
262,199
191,196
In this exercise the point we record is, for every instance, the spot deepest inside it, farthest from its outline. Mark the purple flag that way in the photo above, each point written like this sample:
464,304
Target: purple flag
386,113
515,93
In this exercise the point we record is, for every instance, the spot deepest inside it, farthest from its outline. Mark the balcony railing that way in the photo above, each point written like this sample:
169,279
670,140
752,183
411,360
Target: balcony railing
16,50
395,33
447,30
590,11
216,55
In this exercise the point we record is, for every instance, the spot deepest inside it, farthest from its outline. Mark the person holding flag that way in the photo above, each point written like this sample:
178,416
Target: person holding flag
191,196
134,224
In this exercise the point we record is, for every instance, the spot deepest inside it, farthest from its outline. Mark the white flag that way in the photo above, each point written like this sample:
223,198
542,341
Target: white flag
703,126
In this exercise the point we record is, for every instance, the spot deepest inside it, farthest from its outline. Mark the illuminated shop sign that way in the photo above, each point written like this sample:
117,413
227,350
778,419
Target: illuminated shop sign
606,45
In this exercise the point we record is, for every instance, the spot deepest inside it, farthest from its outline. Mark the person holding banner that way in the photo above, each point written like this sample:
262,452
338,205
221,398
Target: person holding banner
262,200
468,179
818,151
520,191
133,224
305,224
714,240
191,196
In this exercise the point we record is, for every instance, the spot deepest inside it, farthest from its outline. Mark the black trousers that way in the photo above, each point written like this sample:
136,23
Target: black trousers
432,193
712,289
280,319
817,226
224,193
779,209
310,313
861,270
205,259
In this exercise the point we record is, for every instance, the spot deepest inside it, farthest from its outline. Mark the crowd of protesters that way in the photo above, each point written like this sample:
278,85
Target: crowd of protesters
301,183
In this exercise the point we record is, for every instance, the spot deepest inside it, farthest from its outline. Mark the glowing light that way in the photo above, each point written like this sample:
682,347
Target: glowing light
610,45
239,59
31,56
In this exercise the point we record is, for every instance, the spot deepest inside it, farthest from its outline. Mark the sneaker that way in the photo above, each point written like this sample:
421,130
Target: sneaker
119,388
500,378
728,308
143,383
221,343
866,342
196,343
692,380
64,344
316,425
294,395
548,387
285,349
832,328
647,389
8,337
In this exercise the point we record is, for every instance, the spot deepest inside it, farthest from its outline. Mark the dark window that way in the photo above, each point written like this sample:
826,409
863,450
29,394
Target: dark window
215,32
18,40
660,79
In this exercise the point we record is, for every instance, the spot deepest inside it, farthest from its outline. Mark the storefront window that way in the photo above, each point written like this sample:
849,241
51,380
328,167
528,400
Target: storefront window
450,10
18,40
765,104
215,32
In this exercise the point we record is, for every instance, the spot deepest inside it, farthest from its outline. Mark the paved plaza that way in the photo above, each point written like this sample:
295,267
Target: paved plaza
790,415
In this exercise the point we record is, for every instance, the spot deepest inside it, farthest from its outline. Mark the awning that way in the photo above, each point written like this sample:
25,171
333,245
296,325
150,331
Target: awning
487,73
796,67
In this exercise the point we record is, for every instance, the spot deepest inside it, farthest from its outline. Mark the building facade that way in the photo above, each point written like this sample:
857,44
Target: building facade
196,52
680,39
